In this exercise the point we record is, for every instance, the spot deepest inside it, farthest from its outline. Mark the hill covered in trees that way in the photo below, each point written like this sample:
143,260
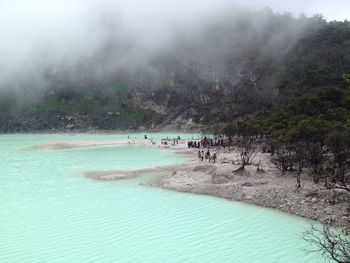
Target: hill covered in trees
235,65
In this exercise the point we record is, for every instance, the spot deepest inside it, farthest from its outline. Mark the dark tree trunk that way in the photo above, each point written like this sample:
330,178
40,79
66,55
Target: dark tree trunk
298,177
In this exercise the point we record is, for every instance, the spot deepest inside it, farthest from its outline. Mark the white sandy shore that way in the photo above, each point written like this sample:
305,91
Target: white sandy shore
264,188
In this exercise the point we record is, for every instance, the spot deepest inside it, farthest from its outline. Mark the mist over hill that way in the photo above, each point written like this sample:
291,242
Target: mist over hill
114,71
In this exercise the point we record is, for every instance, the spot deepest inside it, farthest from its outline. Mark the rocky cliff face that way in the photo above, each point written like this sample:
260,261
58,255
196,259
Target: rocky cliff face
181,104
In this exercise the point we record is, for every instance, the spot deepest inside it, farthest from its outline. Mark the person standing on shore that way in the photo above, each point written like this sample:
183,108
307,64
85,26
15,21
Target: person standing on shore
207,155
214,157
199,155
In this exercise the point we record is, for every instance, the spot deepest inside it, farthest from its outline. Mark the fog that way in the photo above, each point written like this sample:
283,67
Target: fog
98,38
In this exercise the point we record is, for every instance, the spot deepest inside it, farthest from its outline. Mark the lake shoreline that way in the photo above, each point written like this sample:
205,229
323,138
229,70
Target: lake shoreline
266,187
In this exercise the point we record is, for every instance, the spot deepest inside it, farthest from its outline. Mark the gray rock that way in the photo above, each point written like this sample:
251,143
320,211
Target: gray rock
328,211
312,194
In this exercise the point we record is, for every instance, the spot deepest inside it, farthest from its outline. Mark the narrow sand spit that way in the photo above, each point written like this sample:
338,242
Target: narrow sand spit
117,175
86,144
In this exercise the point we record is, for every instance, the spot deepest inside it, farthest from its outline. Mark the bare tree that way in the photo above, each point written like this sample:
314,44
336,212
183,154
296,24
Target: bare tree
337,175
339,170
247,151
330,243
282,159
316,158
299,162
292,157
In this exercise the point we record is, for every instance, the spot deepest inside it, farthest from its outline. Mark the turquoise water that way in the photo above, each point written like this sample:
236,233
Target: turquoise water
51,213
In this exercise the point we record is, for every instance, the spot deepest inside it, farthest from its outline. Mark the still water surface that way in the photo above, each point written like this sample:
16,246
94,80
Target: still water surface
49,212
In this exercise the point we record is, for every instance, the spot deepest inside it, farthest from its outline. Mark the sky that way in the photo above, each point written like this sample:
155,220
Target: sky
330,9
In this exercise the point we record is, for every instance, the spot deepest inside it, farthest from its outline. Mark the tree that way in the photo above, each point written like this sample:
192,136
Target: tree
293,146
247,151
312,132
245,134
339,165
330,243
281,157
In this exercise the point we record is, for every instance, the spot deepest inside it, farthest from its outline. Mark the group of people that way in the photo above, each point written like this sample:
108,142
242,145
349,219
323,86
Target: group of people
207,142
207,156
194,144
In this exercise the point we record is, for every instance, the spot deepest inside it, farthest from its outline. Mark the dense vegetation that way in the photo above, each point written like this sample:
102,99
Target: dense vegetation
307,131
